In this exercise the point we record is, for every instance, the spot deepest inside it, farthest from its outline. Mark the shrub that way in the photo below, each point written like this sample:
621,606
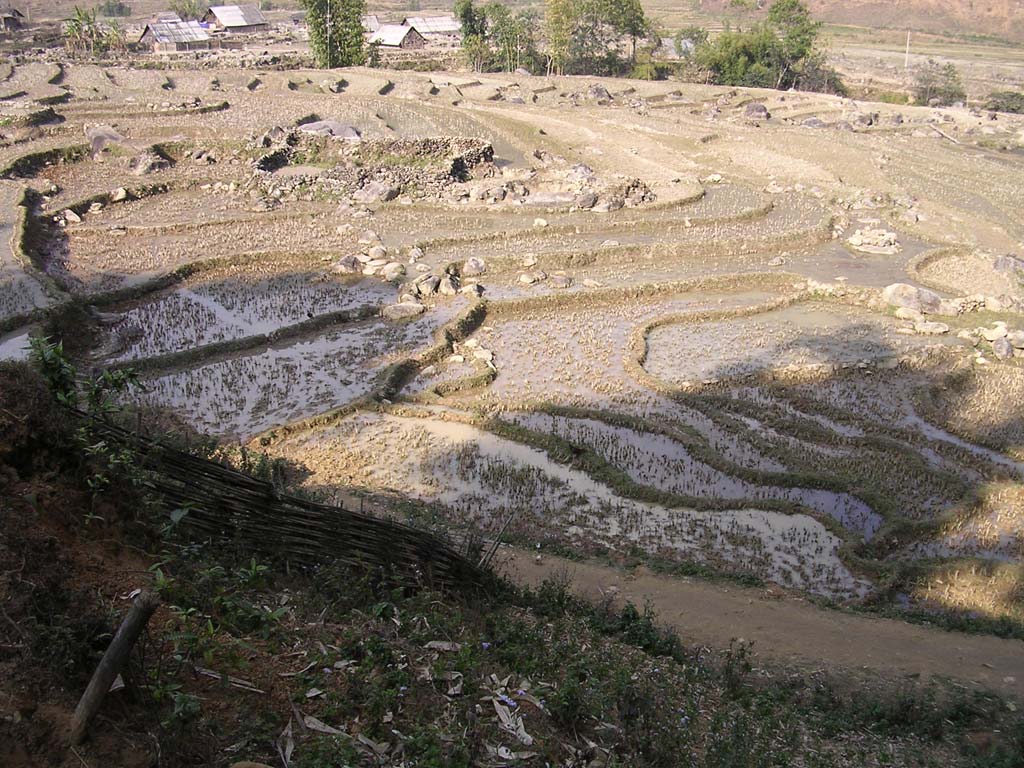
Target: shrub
781,53
939,85
1006,101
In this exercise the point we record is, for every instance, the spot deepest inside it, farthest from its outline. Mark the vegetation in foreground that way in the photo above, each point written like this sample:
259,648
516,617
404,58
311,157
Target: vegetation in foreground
250,658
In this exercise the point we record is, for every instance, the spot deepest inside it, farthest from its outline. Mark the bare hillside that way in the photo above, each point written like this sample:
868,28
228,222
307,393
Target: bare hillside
1003,18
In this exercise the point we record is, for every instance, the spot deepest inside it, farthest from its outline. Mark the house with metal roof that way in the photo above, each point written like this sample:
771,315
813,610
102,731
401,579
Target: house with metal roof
174,36
236,19
397,36
445,25
370,23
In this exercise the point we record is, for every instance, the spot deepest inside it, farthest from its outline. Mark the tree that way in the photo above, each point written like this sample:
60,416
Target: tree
189,10
938,84
85,35
559,23
473,21
585,36
512,36
780,53
336,31
791,21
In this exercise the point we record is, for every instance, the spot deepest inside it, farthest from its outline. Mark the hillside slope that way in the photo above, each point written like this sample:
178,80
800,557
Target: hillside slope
1001,18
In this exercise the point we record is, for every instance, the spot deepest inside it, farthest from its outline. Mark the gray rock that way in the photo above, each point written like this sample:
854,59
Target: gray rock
473,267
1016,338
427,285
1002,349
585,200
926,328
756,111
814,122
403,311
348,265
473,289
561,281
393,271
529,278
903,295
608,206
1008,263
448,286
148,162
331,128
376,192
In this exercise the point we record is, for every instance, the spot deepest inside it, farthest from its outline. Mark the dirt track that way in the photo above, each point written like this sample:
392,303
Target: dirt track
790,629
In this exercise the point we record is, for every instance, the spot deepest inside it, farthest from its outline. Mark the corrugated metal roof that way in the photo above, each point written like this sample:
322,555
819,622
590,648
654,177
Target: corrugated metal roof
238,15
177,32
434,25
167,16
370,23
390,34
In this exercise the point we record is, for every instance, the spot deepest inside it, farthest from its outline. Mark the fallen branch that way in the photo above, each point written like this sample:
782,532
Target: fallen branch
111,664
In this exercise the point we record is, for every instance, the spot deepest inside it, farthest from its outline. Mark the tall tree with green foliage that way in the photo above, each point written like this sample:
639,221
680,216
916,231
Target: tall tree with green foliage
585,36
336,31
512,36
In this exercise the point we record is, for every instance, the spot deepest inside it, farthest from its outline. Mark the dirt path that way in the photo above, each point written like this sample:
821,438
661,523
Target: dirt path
790,629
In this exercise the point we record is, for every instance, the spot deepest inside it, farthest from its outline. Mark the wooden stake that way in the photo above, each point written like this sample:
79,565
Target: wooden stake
112,663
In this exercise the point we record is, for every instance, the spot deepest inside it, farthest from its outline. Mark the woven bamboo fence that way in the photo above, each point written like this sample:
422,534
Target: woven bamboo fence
228,505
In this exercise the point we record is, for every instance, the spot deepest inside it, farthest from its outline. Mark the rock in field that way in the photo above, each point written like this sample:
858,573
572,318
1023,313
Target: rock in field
393,271
1002,348
926,328
348,265
904,295
403,311
376,192
756,111
473,267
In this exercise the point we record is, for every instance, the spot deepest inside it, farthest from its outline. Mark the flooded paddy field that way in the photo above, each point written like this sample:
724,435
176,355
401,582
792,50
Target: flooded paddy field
257,296
641,327
475,475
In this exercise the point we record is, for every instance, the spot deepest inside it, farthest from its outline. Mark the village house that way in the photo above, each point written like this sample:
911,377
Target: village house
397,36
440,27
236,19
370,23
175,35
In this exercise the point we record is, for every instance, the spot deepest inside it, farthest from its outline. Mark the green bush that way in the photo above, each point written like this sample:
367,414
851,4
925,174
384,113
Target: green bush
780,53
1006,101
939,85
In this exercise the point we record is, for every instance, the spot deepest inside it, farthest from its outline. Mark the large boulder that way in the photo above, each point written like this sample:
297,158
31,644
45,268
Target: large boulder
1002,349
148,162
348,265
585,200
375,192
403,310
333,129
911,297
756,111
393,271
473,267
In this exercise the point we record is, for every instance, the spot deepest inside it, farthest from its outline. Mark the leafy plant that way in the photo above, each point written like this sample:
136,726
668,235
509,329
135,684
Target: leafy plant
939,85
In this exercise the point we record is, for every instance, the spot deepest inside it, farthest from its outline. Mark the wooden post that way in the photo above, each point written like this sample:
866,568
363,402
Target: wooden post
111,664
906,59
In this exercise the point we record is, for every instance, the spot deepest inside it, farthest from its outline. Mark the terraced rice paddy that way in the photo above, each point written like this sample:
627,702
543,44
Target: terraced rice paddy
681,354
